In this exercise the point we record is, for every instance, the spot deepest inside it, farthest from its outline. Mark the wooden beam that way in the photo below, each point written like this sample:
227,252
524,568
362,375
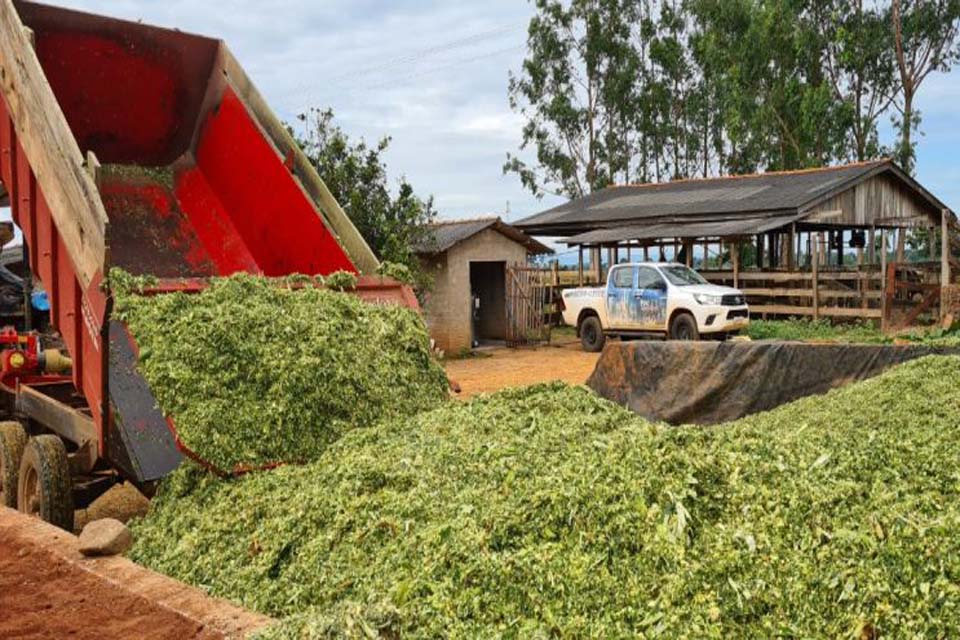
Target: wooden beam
944,260
831,312
814,277
580,266
901,245
792,251
775,292
735,252
883,270
48,143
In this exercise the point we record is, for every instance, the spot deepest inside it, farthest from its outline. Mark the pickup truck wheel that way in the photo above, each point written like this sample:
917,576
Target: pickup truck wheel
44,489
591,335
684,327
12,441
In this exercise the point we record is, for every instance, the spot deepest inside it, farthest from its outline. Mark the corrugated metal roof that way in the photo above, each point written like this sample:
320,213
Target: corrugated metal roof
682,229
784,193
446,234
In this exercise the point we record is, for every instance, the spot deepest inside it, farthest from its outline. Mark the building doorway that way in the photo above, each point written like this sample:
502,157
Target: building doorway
488,300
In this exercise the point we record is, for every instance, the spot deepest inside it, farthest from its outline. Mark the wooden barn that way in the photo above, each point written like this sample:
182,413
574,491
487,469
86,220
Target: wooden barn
860,241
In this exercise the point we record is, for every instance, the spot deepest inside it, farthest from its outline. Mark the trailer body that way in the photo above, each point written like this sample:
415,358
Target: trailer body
148,149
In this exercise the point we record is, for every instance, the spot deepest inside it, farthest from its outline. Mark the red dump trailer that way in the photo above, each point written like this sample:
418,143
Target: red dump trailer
131,146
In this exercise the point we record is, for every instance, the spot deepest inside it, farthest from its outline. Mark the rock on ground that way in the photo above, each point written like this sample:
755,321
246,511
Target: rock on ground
106,537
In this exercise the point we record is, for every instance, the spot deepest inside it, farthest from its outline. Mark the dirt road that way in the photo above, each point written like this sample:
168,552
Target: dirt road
502,368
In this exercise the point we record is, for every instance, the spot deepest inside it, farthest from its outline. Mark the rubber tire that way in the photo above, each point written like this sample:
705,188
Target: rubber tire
591,335
684,327
45,463
13,439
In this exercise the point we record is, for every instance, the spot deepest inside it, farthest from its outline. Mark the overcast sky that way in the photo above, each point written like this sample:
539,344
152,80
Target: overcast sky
433,75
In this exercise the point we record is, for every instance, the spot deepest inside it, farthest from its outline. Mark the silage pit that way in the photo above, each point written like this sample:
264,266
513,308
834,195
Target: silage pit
709,383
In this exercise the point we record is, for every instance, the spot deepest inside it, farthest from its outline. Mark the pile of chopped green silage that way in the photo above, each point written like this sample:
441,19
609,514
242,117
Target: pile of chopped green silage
548,512
256,371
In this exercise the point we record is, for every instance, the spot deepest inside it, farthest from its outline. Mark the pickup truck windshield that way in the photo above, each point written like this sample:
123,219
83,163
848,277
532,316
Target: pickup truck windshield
680,276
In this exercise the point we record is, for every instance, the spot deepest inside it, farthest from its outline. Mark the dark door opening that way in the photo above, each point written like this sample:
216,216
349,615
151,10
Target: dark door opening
488,299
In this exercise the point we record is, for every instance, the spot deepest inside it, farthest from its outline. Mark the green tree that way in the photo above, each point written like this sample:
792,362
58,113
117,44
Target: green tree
576,91
392,222
924,41
860,64
652,90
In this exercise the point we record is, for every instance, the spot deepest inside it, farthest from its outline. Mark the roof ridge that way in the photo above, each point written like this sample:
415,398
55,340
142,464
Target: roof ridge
790,172
437,223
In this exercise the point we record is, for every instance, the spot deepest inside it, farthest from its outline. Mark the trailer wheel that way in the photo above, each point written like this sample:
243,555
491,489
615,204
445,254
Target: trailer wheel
12,441
684,327
591,335
45,489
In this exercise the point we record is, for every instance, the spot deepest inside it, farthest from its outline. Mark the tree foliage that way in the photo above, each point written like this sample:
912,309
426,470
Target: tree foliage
651,90
391,221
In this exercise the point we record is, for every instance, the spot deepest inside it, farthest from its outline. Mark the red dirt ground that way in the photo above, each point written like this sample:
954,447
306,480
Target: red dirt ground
43,597
498,369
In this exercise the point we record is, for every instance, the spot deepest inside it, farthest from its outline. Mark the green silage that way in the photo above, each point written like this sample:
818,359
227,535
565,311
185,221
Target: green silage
548,512
256,371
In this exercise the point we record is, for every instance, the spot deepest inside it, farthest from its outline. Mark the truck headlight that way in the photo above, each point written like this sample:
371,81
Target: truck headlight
707,299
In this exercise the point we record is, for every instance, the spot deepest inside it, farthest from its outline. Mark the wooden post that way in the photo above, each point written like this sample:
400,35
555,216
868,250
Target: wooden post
594,265
580,267
760,251
872,246
901,244
735,255
792,252
883,277
944,260
816,276
555,273
688,249
646,253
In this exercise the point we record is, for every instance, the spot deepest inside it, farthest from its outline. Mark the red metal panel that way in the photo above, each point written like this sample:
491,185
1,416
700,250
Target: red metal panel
131,92
42,252
20,208
278,223
213,225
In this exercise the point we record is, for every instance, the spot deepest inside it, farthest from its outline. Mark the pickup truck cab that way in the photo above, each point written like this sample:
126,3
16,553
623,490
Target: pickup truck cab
654,298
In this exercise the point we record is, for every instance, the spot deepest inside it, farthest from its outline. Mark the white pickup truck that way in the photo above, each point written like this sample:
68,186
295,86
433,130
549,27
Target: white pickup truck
654,297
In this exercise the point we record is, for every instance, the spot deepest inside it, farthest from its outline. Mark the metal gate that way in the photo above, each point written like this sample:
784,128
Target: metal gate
529,291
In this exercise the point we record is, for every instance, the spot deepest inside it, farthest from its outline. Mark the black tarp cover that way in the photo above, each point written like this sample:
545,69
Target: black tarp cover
714,382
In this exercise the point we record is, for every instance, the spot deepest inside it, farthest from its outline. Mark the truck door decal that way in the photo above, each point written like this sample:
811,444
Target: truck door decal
652,298
653,307
623,308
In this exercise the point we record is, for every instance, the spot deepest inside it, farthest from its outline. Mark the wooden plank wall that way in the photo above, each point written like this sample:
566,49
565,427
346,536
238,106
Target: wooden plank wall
880,201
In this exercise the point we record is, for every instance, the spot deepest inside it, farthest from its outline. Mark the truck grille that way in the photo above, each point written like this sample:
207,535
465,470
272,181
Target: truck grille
733,314
734,300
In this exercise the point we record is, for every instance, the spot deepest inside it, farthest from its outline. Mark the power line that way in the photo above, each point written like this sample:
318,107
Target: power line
399,81
421,54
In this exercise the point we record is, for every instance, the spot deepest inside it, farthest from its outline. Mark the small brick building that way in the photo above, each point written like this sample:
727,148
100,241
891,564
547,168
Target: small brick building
468,260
